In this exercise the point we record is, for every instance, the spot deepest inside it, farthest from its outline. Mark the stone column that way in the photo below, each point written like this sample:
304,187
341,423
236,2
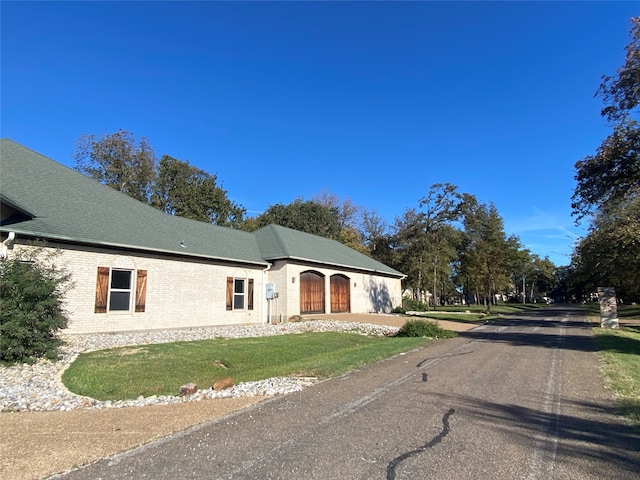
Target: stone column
608,307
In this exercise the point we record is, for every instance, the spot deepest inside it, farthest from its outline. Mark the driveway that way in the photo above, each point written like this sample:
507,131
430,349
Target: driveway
519,398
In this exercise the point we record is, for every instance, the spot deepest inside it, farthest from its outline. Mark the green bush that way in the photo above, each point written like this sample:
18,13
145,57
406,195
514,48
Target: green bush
423,328
411,305
31,309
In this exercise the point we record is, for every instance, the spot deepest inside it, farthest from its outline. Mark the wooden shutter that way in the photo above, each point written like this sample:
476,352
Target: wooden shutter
229,293
250,295
102,290
141,290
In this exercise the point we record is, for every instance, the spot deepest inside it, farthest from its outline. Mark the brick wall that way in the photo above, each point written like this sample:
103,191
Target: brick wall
180,293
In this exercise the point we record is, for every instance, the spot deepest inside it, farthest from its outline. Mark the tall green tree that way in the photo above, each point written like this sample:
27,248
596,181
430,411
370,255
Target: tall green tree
439,208
186,191
484,256
119,161
171,185
610,254
612,175
409,241
608,187
305,216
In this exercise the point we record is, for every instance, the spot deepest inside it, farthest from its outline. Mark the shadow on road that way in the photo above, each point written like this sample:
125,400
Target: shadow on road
621,441
539,328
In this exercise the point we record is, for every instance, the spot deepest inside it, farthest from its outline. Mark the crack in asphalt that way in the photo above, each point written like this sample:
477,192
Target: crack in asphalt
391,468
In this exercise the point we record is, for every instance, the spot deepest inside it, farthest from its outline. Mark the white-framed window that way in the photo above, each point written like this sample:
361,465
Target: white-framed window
120,290
239,293
239,290
115,289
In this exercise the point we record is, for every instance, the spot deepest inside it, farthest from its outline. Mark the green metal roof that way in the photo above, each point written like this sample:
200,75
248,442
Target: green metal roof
277,243
68,206
54,202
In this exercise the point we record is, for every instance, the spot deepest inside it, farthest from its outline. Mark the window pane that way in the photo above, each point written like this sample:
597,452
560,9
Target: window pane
238,285
119,301
121,279
238,302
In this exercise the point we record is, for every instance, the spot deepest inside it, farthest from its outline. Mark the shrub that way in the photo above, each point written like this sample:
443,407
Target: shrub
411,305
423,328
31,309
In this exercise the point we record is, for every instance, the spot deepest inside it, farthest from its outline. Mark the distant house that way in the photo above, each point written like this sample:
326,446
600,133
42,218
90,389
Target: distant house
136,268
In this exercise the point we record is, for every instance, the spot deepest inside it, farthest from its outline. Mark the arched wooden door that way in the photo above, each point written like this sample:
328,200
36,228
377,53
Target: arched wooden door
340,294
311,292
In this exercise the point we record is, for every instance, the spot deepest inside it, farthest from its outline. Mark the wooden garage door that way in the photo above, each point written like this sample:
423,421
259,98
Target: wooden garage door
340,294
311,292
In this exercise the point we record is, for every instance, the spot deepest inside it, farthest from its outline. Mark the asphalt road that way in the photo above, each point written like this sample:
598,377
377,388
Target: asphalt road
516,399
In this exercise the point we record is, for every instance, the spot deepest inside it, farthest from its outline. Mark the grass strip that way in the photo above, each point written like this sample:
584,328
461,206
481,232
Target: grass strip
160,369
620,352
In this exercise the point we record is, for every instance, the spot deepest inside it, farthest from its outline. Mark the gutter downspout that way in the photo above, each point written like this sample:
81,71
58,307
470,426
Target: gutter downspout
263,313
6,243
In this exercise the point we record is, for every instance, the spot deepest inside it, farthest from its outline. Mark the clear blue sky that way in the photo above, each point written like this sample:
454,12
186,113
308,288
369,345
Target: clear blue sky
373,101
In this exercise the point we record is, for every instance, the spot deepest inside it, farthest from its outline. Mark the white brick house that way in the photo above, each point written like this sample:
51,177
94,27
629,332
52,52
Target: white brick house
136,268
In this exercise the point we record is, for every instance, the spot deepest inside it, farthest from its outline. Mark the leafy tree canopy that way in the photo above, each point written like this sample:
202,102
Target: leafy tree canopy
119,161
612,175
305,216
171,185
186,191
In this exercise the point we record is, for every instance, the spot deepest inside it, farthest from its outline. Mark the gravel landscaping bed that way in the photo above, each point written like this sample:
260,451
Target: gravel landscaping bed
38,387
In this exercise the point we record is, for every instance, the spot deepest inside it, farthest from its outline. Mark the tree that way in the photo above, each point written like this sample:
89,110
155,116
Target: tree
349,216
610,254
119,161
484,254
612,175
375,232
621,92
186,191
410,245
440,207
608,187
305,216
31,308
173,186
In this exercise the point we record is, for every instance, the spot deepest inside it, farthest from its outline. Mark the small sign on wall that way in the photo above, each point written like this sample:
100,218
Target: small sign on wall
271,291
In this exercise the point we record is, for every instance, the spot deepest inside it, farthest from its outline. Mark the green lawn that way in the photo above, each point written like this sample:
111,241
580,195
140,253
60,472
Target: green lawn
458,313
625,312
160,369
620,353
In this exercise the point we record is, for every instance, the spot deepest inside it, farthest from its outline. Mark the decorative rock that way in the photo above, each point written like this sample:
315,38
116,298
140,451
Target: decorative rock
188,389
223,383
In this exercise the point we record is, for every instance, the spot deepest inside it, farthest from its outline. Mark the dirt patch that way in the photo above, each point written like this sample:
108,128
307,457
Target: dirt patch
35,445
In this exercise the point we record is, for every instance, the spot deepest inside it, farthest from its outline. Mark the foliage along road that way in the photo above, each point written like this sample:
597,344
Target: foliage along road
515,399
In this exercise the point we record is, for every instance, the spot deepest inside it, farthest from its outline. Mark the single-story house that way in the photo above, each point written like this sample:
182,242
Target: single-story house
136,268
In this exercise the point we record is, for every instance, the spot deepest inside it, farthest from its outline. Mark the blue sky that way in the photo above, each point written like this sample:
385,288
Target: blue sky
372,101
